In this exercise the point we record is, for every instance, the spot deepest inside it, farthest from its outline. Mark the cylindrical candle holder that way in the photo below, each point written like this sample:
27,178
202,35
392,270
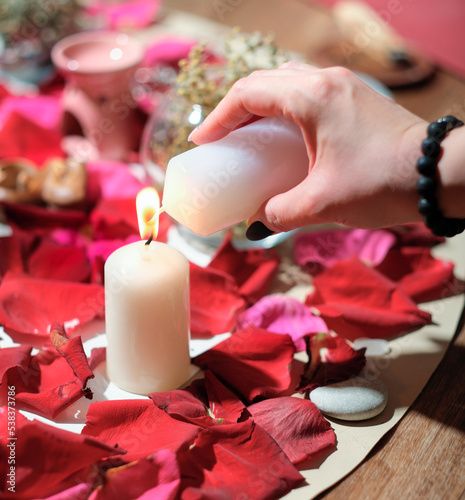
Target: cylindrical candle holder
147,317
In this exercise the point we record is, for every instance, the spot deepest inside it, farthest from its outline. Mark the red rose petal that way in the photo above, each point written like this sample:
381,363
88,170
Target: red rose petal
252,270
137,426
154,477
23,138
59,262
416,234
253,361
48,459
115,218
358,301
15,359
224,405
236,461
339,362
419,274
215,302
296,425
45,383
46,302
73,351
183,405
10,250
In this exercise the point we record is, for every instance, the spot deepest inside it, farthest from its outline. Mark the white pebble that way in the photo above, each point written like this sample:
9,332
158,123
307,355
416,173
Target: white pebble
353,399
374,347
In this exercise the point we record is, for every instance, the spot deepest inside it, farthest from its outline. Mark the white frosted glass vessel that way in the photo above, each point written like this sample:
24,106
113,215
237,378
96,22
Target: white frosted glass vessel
216,185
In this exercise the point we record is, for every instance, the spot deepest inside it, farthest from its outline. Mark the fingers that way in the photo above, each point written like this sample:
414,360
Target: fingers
296,208
262,93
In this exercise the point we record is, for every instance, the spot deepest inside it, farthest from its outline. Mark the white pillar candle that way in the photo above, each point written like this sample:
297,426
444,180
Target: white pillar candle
147,317
216,185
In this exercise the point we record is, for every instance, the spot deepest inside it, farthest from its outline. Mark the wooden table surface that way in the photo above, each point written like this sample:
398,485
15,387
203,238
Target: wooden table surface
424,455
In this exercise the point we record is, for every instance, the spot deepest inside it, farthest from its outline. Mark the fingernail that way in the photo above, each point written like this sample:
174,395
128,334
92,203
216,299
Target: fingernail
189,138
258,231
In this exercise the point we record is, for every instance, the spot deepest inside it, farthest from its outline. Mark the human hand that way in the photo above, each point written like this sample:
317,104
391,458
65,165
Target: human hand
362,147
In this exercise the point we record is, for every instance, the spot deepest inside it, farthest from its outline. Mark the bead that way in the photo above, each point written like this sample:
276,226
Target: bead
426,166
426,186
400,58
431,147
435,223
427,207
451,122
437,130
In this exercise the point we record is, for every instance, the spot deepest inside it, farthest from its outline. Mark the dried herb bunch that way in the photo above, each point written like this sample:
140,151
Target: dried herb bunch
202,83
32,26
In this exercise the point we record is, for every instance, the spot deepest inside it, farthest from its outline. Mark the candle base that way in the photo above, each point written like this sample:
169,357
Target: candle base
121,390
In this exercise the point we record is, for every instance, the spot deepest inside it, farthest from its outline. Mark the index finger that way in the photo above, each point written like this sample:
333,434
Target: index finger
262,93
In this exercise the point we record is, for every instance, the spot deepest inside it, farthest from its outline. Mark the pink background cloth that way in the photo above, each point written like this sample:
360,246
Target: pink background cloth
435,27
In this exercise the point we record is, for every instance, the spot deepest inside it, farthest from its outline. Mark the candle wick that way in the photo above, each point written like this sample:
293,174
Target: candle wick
149,240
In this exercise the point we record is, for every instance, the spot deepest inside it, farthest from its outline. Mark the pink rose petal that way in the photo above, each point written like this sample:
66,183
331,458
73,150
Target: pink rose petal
282,314
316,250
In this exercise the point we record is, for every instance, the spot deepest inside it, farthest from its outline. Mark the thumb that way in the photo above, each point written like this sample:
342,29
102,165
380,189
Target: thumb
295,208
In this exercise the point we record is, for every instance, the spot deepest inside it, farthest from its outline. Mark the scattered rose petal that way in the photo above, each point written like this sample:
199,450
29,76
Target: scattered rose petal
134,13
73,351
358,301
115,218
419,274
338,362
36,143
155,477
315,251
10,250
47,383
48,459
236,461
253,361
296,425
138,426
59,262
282,314
167,51
113,180
215,302
46,302
44,110
416,234
183,405
81,490
224,405
253,270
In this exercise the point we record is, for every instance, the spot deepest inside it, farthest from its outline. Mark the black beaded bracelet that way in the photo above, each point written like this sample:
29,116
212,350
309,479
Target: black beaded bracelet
427,185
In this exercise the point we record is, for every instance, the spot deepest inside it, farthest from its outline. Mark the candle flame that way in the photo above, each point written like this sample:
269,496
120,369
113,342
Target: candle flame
148,212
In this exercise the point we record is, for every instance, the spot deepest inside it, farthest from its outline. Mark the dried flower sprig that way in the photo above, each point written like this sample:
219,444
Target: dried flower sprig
201,84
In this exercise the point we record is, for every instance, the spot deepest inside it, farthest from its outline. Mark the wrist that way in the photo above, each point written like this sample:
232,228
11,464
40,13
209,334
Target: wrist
435,185
451,172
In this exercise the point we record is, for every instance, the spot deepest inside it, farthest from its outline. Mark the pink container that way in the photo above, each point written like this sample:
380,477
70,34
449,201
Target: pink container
98,67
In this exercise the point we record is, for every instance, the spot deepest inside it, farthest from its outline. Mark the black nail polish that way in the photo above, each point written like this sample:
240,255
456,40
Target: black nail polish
258,231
